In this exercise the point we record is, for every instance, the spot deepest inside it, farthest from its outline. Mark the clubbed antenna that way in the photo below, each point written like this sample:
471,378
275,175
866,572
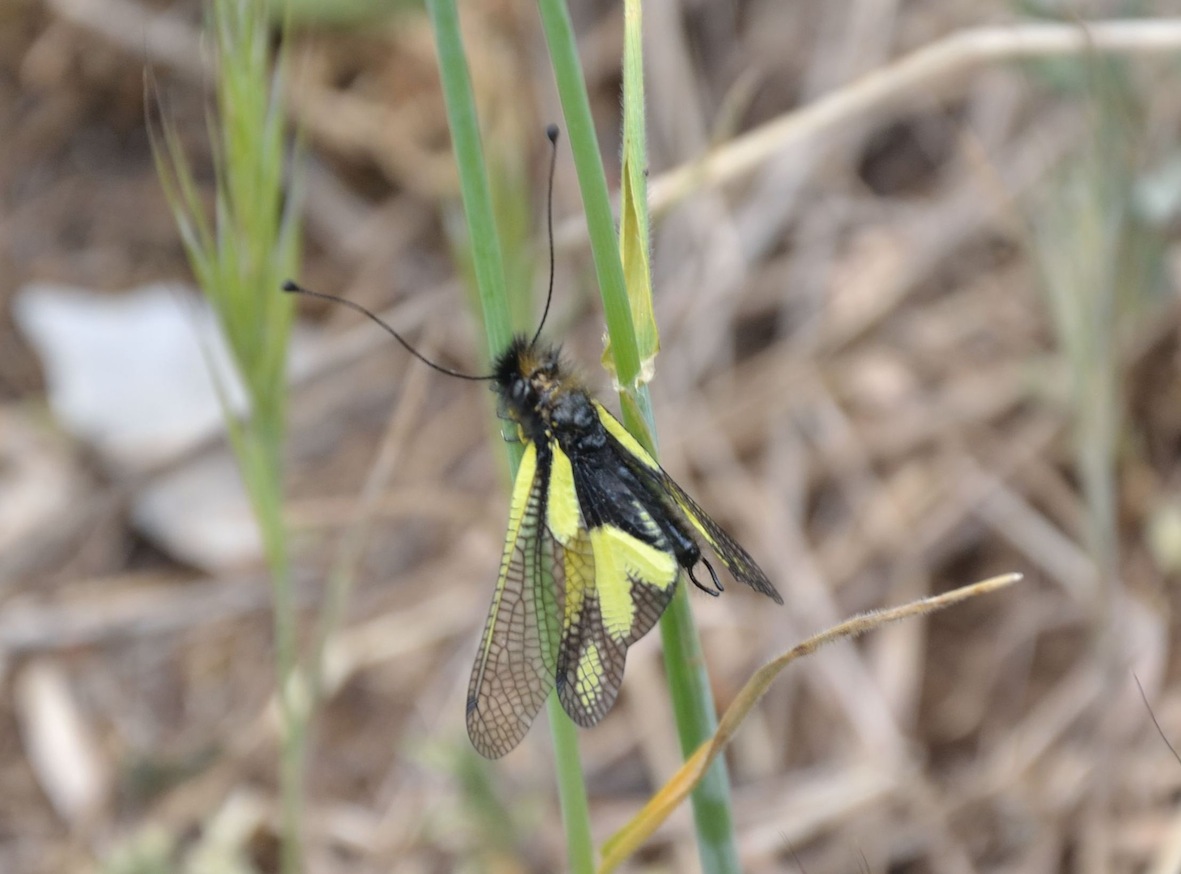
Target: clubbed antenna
552,133
295,288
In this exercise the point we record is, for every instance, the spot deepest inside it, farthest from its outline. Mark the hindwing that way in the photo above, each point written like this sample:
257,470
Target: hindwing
619,574
635,563
590,661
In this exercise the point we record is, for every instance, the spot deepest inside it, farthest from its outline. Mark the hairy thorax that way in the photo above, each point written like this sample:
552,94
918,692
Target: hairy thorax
545,401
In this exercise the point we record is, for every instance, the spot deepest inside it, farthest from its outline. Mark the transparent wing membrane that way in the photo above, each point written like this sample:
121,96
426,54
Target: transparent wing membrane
517,660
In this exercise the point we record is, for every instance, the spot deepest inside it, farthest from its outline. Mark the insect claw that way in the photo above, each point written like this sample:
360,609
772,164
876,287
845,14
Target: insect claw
714,576
718,588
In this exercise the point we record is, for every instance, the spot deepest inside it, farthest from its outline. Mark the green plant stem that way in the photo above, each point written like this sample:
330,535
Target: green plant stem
697,720
265,492
239,257
487,261
592,182
580,848
688,681
489,269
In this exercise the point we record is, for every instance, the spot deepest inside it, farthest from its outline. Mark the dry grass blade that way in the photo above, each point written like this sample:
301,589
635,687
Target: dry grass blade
628,839
934,67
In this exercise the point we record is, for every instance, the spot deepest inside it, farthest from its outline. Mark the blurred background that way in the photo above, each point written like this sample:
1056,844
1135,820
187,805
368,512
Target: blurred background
932,343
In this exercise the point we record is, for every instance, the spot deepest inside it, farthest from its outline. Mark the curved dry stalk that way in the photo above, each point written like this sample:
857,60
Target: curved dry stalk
629,838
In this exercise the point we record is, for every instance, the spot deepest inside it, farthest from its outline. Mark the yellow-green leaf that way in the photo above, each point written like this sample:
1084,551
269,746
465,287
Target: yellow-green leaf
633,213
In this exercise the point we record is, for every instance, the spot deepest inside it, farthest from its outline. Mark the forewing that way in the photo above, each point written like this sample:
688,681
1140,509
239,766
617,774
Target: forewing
517,660
736,559
733,556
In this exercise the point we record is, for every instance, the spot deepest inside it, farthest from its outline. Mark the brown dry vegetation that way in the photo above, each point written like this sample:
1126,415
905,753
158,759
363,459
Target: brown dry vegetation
861,375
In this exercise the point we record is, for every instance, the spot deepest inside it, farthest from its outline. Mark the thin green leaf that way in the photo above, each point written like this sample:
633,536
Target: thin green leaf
488,265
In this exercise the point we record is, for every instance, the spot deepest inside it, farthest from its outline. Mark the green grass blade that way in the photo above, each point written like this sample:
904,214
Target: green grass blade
688,682
580,848
559,34
475,190
488,266
239,259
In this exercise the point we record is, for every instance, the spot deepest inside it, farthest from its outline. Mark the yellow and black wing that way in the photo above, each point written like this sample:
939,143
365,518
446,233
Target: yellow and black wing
662,486
517,661
597,538
618,574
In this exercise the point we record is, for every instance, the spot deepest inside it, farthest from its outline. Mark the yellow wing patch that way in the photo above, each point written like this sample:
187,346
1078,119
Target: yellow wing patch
626,440
520,499
733,556
563,517
621,561
590,662
517,661
589,684
516,515
579,562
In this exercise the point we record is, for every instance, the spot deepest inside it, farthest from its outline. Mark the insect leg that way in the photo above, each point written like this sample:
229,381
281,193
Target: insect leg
718,588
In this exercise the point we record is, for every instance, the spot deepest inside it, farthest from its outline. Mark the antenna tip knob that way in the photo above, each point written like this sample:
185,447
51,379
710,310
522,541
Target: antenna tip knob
552,132
289,285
